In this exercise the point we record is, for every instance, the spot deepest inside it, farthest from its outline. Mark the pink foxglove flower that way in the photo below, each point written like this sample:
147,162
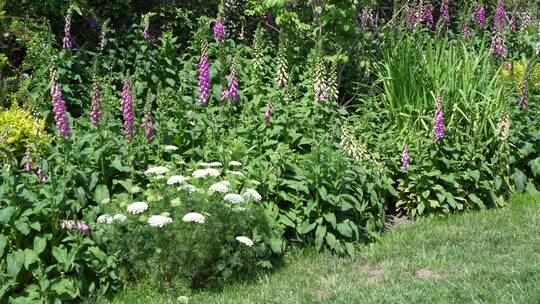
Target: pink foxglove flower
268,113
438,123
405,158
480,17
148,125
146,33
127,109
27,161
96,114
67,44
60,112
219,31
499,19
204,78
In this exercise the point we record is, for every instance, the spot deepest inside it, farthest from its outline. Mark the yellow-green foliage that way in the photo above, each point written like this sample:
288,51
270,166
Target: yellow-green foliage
19,129
519,73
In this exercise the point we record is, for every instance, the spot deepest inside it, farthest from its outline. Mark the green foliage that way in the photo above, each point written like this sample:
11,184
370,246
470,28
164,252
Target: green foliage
194,254
19,130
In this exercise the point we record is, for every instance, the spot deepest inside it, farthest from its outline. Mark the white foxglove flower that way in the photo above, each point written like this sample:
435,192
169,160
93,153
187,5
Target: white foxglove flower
176,179
245,240
221,187
252,194
137,207
235,163
233,198
170,148
119,218
104,218
157,170
194,217
159,220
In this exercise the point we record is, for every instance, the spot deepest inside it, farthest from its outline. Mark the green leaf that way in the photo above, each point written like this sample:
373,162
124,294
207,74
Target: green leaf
535,166
101,194
306,227
22,226
39,244
3,244
475,199
286,221
421,207
331,240
350,249
6,213
344,229
30,257
475,174
319,236
15,261
276,244
331,218
520,179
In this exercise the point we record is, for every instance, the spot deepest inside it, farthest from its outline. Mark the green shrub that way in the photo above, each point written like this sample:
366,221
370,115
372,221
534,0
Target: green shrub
20,129
203,253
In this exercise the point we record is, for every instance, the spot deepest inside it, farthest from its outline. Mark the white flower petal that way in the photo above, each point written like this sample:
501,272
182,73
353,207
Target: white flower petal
233,198
119,218
245,240
194,217
159,220
137,207
157,170
176,179
252,194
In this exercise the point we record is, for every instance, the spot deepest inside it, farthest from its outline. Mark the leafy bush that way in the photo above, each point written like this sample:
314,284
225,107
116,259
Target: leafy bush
211,227
19,129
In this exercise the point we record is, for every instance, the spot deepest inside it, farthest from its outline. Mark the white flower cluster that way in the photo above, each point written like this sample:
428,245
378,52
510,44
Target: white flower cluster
188,188
237,173
157,170
211,165
202,173
235,163
194,217
221,187
170,148
108,219
159,220
252,194
245,240
176,179
137,207
233,198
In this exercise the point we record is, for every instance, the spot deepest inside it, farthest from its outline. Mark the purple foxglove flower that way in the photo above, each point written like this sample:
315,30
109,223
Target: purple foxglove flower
499,19
445,12
268,113
41,174
523,102
67,44
92,22
83,228
480,17
413,19
367,19
467,32
127,109
498,46
204,78
232,91
27,161
148,125
508,66
405,158
146,33
269,18
427,18
438,124
96,114
219,31
60,113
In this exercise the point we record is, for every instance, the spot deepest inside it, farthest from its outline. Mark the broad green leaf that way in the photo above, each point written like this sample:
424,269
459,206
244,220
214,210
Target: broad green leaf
29,258
306,227
349,247
319,236
520,180
39,244
3,244
286,221
22,226
101,194
331,240
331,218
475,199
421,207
344,229
535,166
475,174
15,261
6,213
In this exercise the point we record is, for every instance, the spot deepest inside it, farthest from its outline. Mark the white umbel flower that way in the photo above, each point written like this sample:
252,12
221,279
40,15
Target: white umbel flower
194,217
202,173
214,164
159,220
252,194
104,218
221,187
170,148
245,240
176,179
235,163
137,207
157,170
188,188
119,218
233,198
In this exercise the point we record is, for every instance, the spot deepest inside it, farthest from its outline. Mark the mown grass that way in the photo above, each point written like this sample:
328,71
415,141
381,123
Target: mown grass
479,257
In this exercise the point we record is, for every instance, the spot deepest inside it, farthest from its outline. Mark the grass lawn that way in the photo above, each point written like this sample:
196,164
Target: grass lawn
478,257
